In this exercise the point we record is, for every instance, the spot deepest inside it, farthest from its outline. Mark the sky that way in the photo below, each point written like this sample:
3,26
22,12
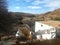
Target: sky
33,6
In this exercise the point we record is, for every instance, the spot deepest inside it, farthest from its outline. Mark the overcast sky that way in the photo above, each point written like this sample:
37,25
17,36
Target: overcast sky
33,6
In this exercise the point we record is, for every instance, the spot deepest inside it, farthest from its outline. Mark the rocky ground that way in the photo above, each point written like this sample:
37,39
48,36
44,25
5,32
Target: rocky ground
13,41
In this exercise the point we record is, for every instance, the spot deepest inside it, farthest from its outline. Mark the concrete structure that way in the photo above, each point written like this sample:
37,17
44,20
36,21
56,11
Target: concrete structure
44,30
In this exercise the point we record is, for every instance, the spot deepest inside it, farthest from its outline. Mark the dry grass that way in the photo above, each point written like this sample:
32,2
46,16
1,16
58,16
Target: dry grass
52,23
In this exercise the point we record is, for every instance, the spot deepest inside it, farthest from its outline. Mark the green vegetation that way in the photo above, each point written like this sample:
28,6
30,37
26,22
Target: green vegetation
58,19
6,19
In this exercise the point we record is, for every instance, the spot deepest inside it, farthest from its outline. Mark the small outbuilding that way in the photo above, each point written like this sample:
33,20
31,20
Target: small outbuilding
45,30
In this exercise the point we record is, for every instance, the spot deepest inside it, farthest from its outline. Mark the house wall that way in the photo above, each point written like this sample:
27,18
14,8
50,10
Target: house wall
49,31
41,26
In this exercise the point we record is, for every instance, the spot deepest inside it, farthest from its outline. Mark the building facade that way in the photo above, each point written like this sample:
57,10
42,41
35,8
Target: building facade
44,31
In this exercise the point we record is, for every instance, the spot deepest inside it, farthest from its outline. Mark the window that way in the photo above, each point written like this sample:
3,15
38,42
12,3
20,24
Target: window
41,25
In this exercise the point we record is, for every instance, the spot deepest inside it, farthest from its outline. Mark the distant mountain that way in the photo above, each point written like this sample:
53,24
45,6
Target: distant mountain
21,15
53,15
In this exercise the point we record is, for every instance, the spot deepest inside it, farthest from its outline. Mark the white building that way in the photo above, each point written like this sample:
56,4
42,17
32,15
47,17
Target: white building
44,31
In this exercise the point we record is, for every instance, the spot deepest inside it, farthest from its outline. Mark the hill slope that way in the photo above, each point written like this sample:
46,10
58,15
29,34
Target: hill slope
53,15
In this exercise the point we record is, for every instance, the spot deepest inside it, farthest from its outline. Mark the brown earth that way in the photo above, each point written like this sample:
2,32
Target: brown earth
46,42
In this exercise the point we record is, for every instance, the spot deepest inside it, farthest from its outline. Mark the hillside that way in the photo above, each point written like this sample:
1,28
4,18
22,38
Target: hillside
30,18
24,17
53,15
